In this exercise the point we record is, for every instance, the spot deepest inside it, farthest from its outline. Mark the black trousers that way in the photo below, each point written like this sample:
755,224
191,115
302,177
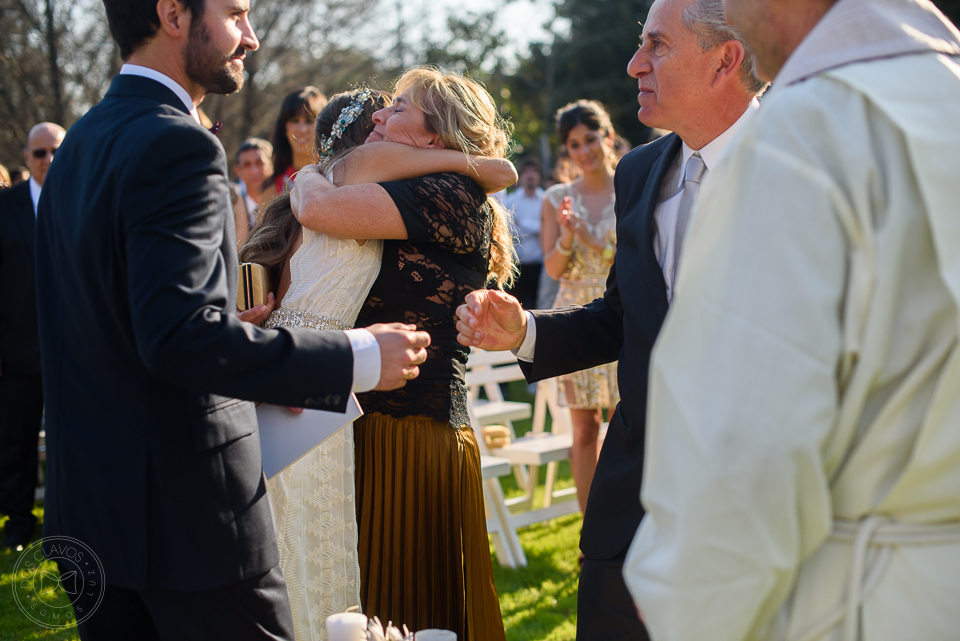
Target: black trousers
605,609
257,609
525,287
21,410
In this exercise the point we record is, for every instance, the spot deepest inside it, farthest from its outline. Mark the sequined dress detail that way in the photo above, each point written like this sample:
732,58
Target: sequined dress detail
314,500
584,280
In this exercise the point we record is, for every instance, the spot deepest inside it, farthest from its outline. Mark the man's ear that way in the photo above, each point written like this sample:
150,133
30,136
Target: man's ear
730,55
174,18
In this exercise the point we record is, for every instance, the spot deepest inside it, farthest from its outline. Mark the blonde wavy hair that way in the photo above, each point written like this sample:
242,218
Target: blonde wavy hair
462,113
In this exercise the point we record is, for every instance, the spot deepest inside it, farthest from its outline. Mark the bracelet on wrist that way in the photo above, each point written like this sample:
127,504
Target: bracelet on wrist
563,251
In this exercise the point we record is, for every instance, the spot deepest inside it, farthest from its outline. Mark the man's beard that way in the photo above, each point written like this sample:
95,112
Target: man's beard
206,66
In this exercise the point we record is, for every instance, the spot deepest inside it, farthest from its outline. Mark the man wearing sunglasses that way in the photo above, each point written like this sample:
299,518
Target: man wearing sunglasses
21,398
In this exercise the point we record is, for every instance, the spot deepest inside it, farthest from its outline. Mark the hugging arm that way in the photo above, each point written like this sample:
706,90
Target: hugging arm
361,212
439,208
386,161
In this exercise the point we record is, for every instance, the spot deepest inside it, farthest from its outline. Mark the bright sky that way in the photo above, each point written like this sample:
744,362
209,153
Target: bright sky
523,20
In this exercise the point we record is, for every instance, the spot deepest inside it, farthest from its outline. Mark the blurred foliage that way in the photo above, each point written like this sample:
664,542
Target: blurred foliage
57,59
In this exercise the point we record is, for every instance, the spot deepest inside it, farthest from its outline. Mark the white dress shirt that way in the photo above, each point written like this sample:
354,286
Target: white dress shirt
366,350
664,214
668,208
526,212
34,194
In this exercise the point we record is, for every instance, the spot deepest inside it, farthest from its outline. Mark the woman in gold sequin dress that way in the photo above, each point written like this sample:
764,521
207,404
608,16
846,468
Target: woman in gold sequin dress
579,241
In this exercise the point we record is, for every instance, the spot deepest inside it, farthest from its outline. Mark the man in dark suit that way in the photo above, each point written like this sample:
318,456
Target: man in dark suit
21,389
153,463
696,79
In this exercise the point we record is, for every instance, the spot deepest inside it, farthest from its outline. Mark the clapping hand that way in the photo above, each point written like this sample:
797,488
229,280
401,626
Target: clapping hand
491,320
572,224
568,220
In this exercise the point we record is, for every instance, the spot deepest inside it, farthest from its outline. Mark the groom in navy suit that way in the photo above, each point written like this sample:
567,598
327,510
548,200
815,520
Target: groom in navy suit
695,78
152,461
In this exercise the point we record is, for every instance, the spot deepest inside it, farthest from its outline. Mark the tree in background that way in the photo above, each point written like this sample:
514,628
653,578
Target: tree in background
302,42
58,60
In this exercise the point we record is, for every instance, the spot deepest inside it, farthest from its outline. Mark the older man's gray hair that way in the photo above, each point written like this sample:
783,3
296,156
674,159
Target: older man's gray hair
706,20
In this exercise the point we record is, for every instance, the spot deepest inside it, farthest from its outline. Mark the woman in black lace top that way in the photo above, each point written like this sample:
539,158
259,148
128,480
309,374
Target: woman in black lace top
446,256
424,555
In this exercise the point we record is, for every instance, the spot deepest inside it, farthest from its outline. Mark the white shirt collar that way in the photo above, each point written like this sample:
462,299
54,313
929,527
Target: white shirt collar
712,151
166,81
34,193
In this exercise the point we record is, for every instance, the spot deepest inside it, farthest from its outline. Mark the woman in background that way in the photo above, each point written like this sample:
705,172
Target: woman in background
293,138
579,240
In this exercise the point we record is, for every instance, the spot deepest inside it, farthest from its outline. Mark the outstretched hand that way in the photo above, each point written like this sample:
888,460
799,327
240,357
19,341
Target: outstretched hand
491,320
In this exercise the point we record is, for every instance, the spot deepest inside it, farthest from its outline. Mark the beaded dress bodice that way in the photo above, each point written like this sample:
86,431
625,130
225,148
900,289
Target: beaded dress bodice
329,280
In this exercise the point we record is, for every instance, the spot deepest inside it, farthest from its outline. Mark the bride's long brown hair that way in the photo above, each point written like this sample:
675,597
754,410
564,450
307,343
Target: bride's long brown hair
270,242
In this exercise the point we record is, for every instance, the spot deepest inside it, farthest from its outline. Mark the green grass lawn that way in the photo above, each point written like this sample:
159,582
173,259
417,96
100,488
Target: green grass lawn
14,625
538,602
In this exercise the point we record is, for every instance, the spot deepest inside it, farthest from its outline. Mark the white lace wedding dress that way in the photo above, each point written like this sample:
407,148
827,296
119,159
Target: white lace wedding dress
314,508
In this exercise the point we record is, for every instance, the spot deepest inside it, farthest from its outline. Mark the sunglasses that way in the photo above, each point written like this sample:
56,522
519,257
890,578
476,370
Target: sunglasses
42,153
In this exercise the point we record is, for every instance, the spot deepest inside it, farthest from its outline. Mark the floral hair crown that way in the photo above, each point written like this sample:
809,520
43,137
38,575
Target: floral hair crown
349,113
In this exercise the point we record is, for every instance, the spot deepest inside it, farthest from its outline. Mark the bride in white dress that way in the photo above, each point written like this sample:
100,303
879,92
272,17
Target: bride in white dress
323,282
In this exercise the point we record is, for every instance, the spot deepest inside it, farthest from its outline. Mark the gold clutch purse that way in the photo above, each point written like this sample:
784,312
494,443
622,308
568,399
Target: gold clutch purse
254,285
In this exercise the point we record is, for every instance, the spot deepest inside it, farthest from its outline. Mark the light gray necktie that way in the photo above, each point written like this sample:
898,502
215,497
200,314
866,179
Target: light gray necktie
693,174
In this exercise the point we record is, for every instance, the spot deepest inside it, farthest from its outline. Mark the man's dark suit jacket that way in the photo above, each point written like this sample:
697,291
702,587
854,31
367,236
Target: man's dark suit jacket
19,342
622,325
152,461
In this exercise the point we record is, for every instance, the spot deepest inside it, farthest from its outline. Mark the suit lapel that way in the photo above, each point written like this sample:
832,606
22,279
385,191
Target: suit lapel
652,273
141,87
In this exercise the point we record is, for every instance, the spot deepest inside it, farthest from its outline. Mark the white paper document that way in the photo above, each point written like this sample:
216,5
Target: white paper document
286,437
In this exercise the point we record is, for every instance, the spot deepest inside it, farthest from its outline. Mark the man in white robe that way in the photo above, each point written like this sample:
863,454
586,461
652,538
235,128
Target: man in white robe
802,471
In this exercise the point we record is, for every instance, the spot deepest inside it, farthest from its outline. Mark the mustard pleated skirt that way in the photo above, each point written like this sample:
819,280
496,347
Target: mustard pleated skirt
424,556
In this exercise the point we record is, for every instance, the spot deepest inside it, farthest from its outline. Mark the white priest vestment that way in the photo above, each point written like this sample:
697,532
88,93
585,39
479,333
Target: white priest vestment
802,473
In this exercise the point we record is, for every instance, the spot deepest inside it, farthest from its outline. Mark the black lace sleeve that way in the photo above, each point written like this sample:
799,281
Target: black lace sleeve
433,209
